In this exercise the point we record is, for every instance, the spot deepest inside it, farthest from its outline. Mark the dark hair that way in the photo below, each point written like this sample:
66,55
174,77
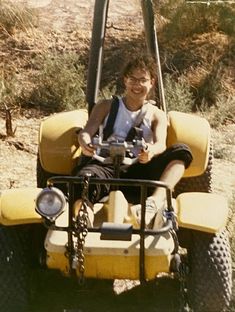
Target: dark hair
142,62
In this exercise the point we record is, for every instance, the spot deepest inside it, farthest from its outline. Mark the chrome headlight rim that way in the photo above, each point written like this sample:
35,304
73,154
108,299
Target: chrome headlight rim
57,194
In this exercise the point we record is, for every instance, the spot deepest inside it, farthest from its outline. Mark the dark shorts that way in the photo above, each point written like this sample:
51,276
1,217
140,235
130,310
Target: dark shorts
149,171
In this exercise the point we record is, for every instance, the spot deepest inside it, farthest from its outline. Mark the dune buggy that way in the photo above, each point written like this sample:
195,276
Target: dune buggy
41,225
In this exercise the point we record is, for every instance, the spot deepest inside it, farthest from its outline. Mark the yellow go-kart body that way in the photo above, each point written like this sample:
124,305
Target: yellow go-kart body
116,259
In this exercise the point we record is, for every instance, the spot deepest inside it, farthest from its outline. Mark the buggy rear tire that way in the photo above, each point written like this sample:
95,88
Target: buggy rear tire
210,277
15,269
202,183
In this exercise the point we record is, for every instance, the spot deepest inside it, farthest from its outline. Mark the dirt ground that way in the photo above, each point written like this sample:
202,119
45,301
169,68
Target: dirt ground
18,160
61,14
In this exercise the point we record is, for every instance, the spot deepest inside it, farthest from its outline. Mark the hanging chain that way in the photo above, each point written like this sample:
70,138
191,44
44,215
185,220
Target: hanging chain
81,224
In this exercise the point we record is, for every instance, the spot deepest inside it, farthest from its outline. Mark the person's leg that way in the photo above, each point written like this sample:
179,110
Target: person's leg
95,191
97,170
157,201
171,176
168,167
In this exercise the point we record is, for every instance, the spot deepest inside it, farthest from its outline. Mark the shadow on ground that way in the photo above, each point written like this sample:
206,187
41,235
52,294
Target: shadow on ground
57,294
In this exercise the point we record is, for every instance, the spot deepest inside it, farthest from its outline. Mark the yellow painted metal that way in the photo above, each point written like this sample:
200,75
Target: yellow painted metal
113,259
202,211
17,206
58,144
195,132
113,267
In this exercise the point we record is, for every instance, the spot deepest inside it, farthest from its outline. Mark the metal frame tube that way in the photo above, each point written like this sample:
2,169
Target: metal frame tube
96,52
152,45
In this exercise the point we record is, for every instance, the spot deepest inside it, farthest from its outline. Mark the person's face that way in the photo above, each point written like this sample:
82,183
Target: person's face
138,83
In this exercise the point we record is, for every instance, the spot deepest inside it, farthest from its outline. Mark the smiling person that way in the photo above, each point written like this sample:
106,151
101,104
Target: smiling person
156,161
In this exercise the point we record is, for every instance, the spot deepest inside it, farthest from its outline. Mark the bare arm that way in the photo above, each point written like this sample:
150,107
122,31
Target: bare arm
98,114
159,129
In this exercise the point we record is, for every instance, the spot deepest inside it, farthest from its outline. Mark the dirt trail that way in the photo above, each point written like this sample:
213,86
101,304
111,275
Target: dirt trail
61,14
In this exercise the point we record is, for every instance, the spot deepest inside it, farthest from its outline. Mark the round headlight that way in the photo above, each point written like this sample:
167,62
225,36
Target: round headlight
50,202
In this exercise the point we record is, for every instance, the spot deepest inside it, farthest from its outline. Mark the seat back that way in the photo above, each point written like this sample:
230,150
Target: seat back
195,132
58,143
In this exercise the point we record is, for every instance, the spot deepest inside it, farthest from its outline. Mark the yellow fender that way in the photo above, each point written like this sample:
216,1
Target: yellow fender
202,211
17,206
58,144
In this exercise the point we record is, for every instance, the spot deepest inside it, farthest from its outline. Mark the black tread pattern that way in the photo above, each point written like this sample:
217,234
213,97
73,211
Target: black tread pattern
14,269
202,183
210,277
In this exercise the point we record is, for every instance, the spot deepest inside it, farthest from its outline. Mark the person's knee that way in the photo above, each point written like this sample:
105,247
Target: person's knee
182,153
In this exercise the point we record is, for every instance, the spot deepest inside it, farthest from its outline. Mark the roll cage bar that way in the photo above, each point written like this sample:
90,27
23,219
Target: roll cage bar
97,48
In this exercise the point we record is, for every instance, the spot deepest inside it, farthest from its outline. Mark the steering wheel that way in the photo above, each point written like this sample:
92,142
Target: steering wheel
116,150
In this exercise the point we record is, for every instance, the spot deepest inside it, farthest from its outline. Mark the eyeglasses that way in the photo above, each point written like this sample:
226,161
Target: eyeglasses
133,80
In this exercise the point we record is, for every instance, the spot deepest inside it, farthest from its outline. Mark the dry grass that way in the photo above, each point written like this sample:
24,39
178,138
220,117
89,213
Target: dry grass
15,16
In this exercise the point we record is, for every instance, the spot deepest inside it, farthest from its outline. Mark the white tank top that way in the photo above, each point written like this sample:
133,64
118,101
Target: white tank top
125,119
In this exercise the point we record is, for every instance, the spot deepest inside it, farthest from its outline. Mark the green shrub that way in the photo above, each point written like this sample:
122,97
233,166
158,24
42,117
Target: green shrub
210,87
177,94
222,113
186,19
190,19
9,90
227,20
59,84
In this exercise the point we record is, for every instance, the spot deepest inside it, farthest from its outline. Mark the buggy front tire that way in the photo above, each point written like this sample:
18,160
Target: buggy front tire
15,269
210,276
